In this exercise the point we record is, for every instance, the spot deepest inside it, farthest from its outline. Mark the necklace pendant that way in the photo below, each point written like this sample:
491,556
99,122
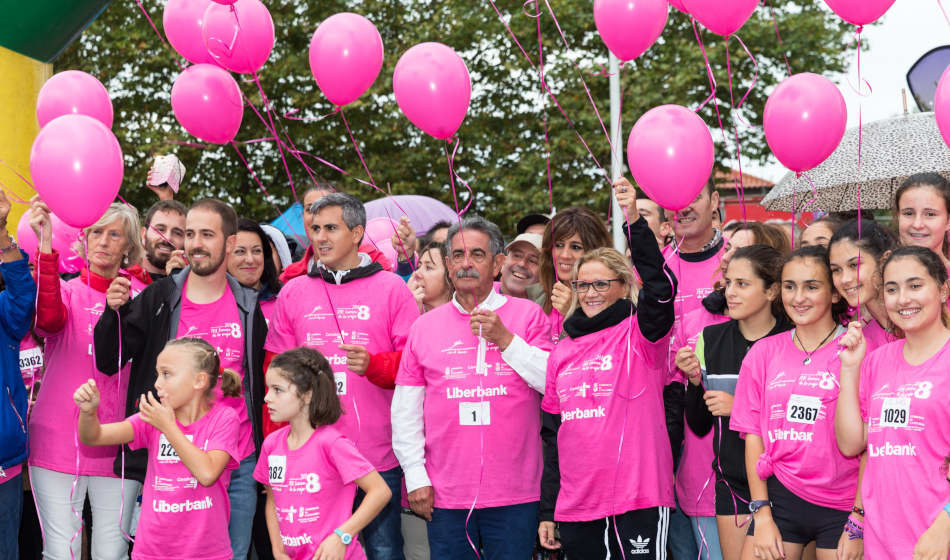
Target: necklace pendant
806,361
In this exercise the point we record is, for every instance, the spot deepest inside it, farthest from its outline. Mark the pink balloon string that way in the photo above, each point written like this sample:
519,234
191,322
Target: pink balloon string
735,126
547,139
289,115
944,12
755,79
22,178
157,32
788,67
550,93
814,191
273,128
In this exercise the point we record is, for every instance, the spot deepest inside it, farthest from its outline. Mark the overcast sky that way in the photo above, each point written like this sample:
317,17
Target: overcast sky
907,31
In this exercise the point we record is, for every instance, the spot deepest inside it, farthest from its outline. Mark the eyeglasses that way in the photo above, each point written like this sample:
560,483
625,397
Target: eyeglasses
476,256
598,285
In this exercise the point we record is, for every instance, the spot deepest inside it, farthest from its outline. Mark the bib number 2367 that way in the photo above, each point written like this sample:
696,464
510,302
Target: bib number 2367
475,413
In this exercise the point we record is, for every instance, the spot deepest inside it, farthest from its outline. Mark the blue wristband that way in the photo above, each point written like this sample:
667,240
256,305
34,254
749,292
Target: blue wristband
946,508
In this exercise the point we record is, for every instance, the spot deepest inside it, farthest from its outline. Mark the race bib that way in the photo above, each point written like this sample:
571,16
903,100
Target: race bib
276,469
340,379
31,358
802,409
167,453
895,413
475,413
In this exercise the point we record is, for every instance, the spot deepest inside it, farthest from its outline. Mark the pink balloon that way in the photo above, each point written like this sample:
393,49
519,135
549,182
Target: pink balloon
183,22
77,168
722,17
670,153
73,93
860,12
346,55
379,233
207,103
804,121
64,236
239,36
630,27
942,106
678,4
433,88
225,2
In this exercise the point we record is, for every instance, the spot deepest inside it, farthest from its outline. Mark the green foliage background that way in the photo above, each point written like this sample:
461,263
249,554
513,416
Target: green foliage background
502,153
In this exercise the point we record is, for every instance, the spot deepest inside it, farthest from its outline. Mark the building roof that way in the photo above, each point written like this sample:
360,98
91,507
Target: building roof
727,180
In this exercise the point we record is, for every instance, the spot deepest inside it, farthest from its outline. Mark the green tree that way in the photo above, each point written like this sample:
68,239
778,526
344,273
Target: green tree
503,148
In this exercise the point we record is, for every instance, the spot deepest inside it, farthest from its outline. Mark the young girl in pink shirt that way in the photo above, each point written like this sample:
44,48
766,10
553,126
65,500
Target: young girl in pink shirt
310,470
893,408
192,445
802,487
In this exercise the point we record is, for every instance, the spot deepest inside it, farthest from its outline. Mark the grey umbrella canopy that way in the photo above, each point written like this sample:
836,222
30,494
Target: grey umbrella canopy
891,150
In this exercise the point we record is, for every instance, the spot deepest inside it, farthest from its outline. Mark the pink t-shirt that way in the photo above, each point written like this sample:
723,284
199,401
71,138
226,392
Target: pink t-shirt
791,406
607,387
219,324
314,487
181,518
69,364
556,325
482,430
904,486
876,336
374,312
31,362
695,480
267,308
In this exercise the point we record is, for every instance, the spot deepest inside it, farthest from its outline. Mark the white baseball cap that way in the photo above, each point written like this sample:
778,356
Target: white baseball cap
533,238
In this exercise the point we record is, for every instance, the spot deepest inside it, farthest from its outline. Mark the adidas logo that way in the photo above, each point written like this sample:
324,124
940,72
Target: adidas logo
640,546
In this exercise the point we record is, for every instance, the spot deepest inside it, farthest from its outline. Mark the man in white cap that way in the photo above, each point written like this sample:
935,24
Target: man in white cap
520,270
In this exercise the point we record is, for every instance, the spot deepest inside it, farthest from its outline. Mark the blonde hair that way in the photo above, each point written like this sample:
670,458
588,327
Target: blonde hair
614,261
206,359
131,226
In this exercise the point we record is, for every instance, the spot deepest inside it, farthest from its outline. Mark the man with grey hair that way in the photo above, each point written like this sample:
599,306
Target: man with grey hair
466,413
349,308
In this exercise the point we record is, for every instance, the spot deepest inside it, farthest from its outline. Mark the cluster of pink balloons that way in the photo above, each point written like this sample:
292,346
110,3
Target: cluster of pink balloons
216,36
76,162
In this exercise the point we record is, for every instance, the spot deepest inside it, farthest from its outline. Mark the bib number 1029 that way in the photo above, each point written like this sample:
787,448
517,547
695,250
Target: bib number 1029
475,413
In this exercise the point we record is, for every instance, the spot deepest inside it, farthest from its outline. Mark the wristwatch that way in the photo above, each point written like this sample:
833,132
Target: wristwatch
756,505
345,537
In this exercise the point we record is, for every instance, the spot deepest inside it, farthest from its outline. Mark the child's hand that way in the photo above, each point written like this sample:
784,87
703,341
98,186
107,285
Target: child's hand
156,413
87,397
332,548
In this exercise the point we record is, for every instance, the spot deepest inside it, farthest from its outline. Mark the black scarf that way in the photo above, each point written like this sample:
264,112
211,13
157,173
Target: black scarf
318,271
579,324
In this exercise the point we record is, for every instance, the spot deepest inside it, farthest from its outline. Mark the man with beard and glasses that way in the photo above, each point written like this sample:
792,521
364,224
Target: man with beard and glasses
351,310
202,300
163,233
520,270
466,413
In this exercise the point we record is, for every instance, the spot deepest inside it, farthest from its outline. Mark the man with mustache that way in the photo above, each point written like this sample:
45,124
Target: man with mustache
520,270
466,412
350,309
162,234
202,300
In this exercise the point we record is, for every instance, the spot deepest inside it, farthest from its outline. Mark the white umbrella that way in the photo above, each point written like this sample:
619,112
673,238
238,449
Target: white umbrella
891,150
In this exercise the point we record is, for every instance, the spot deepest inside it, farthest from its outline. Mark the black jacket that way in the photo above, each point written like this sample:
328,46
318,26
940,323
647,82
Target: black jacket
655,315
148,322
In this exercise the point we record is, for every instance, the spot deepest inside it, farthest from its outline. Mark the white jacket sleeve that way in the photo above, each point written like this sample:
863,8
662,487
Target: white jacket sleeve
530,362
409,440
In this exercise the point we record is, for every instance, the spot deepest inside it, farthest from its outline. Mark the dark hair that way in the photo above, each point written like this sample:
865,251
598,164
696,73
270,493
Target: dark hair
818,254
164,206
206,360
766,234
935,181
229,219
576,219
269,280
831,222
875,240
767,262
930,261
308,370
427,238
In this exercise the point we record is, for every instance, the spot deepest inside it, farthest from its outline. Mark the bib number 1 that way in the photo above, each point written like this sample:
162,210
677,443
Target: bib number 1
475,413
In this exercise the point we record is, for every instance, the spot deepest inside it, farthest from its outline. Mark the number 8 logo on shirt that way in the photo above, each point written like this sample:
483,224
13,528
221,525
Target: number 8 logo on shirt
923,390
313,483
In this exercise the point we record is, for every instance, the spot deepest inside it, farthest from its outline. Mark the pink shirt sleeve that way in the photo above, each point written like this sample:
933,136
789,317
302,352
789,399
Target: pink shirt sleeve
747,406
348,461
550,402
404,314
260,470
864,387
141,432
280,332
224,436
538,331
410,372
